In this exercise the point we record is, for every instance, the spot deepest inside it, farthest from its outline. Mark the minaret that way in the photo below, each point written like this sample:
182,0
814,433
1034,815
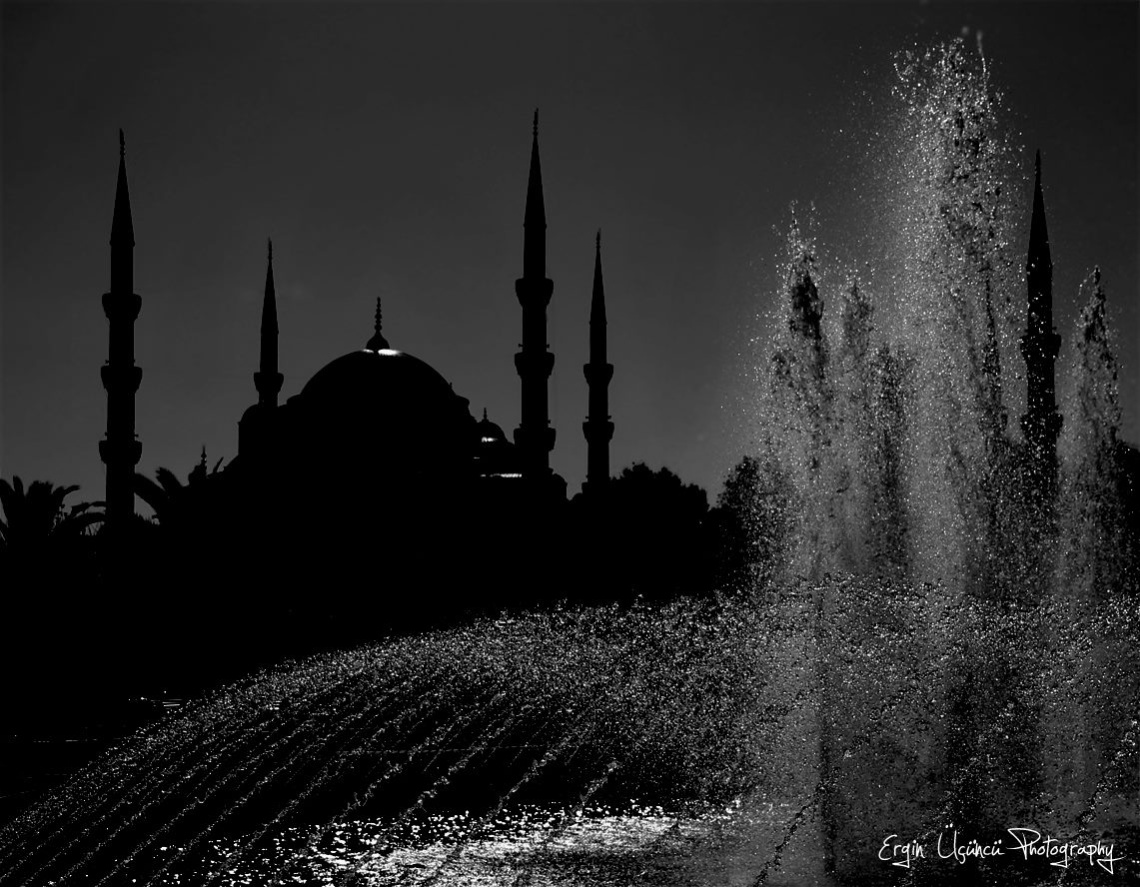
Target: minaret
534,436
120,451
1041,423
598,428
267,379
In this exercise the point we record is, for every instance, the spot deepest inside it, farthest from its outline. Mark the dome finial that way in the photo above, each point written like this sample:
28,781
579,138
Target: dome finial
484,414
377,342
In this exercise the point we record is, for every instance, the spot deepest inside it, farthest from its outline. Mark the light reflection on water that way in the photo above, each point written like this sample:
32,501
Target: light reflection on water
534,846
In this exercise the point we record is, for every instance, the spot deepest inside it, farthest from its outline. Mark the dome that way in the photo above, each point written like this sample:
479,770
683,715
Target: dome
380,385
382,379
494,454
384,415
489,432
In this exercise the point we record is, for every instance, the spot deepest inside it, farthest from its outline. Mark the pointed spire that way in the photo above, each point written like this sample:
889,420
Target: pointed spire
377,342
1041,423
122,230
598,428
267,380
1039,253
122,227
269,304
484,414
199,472
598,307
534,219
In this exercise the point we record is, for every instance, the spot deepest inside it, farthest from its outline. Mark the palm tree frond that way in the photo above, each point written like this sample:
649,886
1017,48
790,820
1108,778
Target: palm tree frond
169,481
151,493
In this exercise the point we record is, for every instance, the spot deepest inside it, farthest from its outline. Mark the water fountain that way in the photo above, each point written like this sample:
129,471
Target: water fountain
915,668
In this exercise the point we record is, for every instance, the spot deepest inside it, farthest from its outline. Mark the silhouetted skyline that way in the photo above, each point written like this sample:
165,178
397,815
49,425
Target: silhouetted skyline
384,148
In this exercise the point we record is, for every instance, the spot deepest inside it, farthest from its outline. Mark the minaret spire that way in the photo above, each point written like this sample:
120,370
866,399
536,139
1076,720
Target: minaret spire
534,436
534,218
1038,230
122,229
598,427
120,451
1041,423
267,379
598,306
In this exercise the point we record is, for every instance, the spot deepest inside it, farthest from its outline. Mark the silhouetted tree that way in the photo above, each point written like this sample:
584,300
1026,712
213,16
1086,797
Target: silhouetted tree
1093,516
36,517
178,506
658,533
1095,546
47,567
43,542
200,552
750,523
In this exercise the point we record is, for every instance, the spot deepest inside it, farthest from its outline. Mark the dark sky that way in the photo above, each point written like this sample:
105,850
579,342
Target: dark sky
384,147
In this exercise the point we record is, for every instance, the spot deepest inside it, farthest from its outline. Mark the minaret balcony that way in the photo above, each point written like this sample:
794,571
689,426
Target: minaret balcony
598,373
270,383
128,450
1038,426
534,292
534,363
1037,346
121,306
117,377
530,439
598,431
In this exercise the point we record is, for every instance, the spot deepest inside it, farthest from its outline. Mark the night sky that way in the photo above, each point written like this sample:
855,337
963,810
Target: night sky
384,148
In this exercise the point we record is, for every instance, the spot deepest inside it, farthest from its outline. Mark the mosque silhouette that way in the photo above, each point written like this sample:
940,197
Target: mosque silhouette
377,460
389,421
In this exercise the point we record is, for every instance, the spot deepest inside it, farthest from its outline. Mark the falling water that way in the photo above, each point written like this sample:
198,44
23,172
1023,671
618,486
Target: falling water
910,666
924,532
439,749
